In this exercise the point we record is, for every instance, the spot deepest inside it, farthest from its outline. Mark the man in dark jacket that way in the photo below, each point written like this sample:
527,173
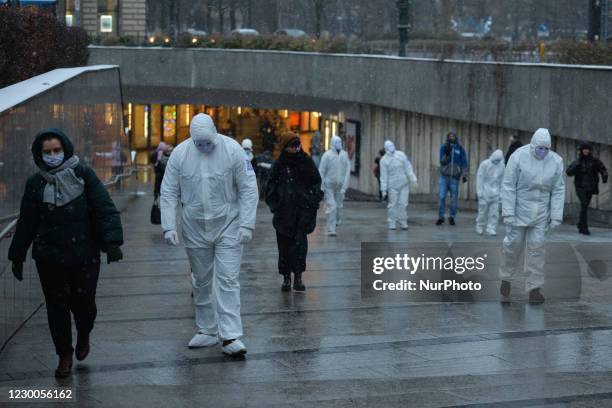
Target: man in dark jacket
453,167
586,170
293,193
515,143
69,216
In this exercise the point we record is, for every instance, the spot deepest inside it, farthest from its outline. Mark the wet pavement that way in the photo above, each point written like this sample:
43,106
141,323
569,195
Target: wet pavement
326,347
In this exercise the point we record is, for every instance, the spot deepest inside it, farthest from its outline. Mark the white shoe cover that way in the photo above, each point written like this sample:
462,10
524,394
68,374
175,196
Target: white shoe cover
235,348
203,340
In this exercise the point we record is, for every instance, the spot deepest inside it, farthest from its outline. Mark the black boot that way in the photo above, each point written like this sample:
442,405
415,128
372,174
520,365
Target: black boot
440,221
451,221
535,297
286,287
504,289
298,285
64,367
82,347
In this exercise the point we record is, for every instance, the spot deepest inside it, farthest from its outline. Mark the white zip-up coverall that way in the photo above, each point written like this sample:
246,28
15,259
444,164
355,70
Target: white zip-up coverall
218,194
335,170
488,187
533,195
396,176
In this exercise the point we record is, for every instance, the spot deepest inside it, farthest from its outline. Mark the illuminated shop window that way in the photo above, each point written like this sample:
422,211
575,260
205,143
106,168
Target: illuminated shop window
169,116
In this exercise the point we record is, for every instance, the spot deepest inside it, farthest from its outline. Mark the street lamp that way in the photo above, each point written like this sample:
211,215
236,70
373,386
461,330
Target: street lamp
403,25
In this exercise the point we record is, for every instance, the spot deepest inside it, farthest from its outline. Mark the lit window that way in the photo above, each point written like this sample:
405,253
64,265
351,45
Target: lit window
69,20
106,24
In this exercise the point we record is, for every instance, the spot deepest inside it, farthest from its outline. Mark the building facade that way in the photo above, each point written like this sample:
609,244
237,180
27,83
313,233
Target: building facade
106,17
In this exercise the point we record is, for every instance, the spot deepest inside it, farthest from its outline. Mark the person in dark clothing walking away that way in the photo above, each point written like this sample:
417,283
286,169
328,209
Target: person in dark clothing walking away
453,167
586,170
160,167
153,159
293,193
515,143
69,216
377,160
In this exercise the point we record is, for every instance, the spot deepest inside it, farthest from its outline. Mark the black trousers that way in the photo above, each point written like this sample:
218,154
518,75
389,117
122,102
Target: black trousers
69,289
292,253
585,199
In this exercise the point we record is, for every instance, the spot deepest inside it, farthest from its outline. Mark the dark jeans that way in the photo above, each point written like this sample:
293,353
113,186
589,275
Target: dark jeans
292,253
69,289
585,199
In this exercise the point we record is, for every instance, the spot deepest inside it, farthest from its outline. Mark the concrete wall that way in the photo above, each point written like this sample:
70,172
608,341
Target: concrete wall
412,101
572,101
420,136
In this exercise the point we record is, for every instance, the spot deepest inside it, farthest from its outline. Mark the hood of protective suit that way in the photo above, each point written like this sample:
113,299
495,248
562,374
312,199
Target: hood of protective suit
497,156
389,147
336,142
541,138
202,129
247,144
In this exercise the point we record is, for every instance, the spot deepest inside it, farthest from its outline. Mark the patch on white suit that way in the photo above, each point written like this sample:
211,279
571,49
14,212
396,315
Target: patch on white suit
249,168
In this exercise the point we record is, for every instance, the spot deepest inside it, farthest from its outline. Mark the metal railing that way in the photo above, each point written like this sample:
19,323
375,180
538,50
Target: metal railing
6,231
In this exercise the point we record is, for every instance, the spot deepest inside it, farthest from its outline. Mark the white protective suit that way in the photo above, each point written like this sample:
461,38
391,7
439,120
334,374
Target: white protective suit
396,176
335,170
488,187
218,194
533,195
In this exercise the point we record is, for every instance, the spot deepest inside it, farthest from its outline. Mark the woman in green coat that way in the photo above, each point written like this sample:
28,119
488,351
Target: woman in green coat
69,217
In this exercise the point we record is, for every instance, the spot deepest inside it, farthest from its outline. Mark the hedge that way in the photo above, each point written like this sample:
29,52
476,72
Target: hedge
260,42
33,42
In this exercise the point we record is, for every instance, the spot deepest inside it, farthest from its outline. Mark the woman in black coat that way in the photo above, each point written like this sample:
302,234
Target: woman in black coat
69,216
293,193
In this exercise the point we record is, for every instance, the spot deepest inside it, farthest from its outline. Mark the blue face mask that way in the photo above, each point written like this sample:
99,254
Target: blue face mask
204,146
496,162
541,152
53,160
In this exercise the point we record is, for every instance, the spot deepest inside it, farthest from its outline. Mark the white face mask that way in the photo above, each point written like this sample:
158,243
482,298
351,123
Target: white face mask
541,152
205,146
53,160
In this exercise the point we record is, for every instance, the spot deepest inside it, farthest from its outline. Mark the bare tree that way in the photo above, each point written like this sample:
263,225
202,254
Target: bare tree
319,6
232,14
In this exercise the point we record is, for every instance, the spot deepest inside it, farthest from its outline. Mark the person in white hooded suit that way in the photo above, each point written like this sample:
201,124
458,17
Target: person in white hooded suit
335,170
533,195
396,178
213,180
488,188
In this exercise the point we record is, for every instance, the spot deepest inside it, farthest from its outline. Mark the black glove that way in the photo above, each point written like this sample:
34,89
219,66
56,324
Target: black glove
18,270
464,179
447,148
113,254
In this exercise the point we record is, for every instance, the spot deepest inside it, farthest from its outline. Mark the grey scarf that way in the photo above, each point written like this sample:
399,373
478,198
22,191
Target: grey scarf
63,185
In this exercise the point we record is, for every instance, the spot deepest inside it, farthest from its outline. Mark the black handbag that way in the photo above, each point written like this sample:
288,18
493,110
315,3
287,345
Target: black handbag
155,212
